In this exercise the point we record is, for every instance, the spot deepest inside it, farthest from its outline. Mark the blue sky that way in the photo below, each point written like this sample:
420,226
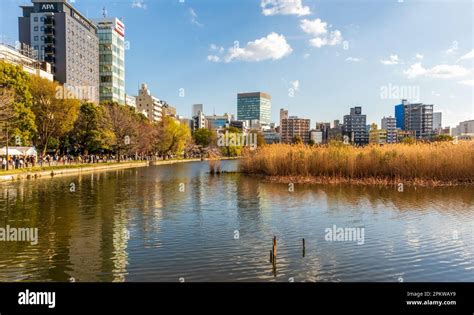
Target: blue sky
316,58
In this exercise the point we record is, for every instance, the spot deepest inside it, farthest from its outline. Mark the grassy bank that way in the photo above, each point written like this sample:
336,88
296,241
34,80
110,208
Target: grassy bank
418,164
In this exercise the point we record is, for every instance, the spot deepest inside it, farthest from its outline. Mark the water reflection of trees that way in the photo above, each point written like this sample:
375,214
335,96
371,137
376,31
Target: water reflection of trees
82,233
446,199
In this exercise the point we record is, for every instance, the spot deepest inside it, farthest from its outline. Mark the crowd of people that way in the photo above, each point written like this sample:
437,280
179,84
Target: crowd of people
18,162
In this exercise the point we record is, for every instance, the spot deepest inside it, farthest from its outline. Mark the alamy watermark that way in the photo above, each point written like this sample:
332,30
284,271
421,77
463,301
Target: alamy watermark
398,92
13,234
82,92
345,234
237,140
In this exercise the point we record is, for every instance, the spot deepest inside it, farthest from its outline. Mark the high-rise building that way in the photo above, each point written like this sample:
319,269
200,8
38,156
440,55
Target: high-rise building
199,121
254,106
400,114
416,117
437,122
294,126
390,125
197,108
355,127
111,33
283,114
66,39
148,104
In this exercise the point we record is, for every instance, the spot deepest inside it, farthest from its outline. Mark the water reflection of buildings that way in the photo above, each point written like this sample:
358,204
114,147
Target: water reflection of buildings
99,236
249,201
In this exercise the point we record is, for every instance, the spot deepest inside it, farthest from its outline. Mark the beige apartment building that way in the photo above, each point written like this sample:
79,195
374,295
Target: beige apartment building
294,126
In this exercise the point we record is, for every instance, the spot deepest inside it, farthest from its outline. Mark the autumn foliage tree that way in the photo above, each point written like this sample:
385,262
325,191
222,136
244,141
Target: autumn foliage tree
54,116
22,125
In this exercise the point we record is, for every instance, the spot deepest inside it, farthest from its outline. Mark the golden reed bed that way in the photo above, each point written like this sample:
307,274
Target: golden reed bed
426,164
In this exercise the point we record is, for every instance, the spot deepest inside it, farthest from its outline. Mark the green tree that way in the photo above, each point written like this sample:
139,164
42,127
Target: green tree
7,115
440,138
173,136
203,136
297,140
91,130
23,123
54,116
408,140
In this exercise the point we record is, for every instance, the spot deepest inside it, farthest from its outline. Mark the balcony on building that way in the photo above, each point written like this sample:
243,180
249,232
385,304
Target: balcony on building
50,59
49,40
49,50
49,21
49,31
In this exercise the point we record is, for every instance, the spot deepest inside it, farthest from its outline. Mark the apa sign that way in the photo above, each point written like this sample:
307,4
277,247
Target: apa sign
48,7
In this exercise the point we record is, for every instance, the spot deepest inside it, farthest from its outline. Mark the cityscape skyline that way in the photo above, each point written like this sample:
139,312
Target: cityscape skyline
291,48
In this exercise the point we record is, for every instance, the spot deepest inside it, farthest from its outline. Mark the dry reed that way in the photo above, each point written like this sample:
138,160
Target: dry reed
438,163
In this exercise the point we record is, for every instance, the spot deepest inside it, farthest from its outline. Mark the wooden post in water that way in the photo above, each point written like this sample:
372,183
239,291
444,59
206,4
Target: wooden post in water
274,255
274,251
304,248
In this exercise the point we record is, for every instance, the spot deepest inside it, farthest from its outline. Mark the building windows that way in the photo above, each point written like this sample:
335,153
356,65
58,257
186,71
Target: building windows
42,19
35,38
35,19
35,28
42,28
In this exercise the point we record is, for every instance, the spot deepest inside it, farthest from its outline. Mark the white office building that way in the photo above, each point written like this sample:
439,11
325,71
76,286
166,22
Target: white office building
147,103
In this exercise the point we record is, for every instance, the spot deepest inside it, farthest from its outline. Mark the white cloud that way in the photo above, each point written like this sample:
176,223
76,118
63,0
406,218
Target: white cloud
139,4
319,29
335,38
439,71
194,17
284,7
392,60
314,27
353,59
295,85
214,47
467,82
468,56
419,56
213,58
274,46
306,56
318,42
453,49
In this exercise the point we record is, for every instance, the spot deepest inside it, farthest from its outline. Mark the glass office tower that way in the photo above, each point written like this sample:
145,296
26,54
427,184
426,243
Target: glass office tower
111,33
254,106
